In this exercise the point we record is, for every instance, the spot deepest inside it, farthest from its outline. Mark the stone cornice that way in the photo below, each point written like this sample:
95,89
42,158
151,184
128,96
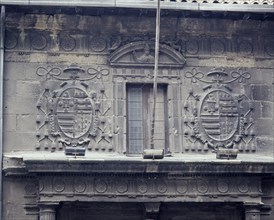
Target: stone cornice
15,165
200,5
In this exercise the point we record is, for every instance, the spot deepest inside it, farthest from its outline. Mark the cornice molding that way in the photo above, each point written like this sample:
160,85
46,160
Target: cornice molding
19,166
195,5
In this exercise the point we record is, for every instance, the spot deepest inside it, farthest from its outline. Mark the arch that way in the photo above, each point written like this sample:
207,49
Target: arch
141,53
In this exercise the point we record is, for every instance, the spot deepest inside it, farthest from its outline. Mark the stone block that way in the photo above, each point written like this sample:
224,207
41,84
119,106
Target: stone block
265,146
14,71
9,88
246,26
176,108
25,123
168,25
175,133
262,76
176,91
138,25
266,27
9,121
120,90
262,92
264,127
38,57
121,133
265,63
18,141
267,109
28,89
102,60
13,19
13,199
20,105
120,107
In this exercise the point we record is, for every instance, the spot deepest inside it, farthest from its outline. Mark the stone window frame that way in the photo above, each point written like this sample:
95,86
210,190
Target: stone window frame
146,91
171,78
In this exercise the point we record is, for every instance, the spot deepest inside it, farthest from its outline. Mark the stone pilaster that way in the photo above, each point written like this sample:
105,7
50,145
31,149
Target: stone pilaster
47,211
32,211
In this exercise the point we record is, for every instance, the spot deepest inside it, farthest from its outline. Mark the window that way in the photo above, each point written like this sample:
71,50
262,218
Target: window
139,115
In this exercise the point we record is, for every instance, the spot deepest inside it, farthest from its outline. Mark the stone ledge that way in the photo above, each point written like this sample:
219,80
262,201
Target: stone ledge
148,4
183,164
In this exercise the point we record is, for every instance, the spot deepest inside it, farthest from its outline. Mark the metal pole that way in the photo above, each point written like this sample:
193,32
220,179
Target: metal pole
157,39
2,35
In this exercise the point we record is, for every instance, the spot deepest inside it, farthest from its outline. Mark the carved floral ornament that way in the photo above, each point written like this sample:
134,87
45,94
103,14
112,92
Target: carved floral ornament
70,114
218,118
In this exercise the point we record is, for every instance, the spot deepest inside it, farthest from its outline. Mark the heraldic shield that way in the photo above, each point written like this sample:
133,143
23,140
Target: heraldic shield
219,115
74,112
67,112
218,118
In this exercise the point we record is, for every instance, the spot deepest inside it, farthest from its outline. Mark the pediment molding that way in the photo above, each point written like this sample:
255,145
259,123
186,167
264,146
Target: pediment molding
141,54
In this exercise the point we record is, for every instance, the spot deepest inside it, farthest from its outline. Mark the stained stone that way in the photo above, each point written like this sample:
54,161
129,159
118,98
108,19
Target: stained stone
67,76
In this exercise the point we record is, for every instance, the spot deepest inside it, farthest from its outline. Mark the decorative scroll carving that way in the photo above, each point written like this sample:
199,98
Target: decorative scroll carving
70,114
141,53
218,118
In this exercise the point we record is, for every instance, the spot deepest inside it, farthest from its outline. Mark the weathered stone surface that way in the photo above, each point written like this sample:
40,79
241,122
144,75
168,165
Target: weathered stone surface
14,198
207,108
265,145
262,92
264,127
267,109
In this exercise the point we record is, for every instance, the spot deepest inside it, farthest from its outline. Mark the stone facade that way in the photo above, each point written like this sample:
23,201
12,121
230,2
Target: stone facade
66,151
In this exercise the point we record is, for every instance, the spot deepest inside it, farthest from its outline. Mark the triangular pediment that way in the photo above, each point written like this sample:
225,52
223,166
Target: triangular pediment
141,54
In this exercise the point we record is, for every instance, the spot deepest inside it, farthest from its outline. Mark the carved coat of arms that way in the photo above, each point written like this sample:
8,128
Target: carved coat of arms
68,112
218,118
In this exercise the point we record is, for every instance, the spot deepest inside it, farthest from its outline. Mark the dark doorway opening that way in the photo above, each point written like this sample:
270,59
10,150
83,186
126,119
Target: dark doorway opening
136,211
201,211
100,211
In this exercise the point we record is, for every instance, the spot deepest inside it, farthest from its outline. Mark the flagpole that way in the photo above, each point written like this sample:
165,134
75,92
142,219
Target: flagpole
157,39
